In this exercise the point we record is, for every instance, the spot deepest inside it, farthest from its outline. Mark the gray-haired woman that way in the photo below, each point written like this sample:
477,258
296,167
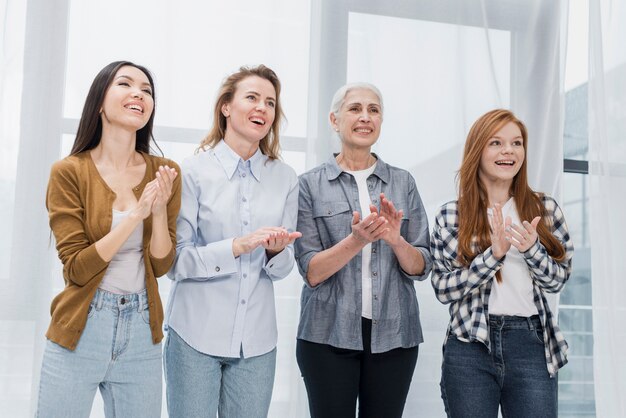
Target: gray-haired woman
364,244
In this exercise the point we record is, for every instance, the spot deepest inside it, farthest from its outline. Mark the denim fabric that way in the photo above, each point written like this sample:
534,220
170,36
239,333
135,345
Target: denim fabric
115,353
513,376
199,384
331,312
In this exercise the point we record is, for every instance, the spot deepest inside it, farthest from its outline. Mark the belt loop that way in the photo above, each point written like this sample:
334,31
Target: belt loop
140,304
99,299
531,326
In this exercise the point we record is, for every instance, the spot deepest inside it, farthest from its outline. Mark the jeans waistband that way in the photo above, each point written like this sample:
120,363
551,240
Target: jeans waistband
514,322
103,298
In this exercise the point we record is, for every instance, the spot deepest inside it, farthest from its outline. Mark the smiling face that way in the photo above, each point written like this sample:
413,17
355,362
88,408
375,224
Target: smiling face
502,156
250,113
359,119
128,102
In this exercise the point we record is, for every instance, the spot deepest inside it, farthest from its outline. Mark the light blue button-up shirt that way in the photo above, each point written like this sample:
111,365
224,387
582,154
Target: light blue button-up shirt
222,305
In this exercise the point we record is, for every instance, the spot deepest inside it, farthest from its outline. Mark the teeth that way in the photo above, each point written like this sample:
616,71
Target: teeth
258,121
135,107
505,162
363,130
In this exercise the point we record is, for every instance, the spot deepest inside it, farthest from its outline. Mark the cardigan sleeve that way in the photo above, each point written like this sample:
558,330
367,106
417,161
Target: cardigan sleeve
81,261
160,266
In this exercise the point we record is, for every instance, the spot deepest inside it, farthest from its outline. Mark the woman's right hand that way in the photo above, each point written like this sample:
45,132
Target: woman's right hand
499,243
248,243
146,200
370,229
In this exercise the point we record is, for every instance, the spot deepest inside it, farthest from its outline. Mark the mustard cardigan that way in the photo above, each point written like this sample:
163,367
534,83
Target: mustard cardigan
80,207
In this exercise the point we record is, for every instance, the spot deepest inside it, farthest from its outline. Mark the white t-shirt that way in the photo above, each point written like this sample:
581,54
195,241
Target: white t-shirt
514,295
366,254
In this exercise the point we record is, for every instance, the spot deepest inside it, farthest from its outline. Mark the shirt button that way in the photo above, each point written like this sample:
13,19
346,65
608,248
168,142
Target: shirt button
375,322
374,250
243,199
375,297
243,301
370,186
329,213
217,268
245,222
243,174
374,274
245,275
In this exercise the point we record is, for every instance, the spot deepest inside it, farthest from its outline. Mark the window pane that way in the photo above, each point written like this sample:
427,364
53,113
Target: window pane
576,396
190,47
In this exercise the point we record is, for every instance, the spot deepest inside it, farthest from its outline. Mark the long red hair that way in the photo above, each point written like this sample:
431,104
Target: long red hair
474,230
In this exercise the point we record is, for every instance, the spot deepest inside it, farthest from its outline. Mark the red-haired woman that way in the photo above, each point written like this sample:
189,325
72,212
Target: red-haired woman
497,251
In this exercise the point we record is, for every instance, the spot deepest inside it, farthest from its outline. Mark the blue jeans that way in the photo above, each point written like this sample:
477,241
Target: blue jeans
115,353
514,376
199,384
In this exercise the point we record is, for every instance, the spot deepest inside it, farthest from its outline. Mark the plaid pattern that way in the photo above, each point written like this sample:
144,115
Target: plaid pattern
467,289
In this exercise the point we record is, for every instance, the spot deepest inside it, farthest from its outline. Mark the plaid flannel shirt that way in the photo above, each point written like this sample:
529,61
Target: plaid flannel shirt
467,288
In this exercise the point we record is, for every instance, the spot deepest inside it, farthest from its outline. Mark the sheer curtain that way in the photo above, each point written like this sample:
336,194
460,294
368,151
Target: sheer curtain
440,64
607,156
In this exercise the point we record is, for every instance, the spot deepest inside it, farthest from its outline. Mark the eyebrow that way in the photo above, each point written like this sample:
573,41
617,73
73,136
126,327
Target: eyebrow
361,104
515,137
131,79
259,95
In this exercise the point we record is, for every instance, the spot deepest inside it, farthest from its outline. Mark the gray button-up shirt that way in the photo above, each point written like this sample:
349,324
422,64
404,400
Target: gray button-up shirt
331,311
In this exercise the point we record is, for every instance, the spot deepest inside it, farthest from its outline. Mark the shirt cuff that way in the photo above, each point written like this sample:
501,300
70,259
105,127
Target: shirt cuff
218,258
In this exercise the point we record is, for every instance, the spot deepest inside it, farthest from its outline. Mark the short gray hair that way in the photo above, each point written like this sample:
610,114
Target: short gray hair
340,96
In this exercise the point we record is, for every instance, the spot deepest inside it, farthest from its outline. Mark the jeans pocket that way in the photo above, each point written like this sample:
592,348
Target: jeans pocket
91,311
145,315
538,334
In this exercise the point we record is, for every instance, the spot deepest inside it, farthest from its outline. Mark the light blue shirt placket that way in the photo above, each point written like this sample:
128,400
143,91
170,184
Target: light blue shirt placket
246,181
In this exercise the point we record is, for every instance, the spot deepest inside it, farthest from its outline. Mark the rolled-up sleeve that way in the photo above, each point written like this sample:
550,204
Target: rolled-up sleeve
310,244
417,233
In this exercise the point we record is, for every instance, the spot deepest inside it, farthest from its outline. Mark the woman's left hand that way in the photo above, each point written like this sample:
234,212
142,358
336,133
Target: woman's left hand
523,237
394,220
277,241
164,179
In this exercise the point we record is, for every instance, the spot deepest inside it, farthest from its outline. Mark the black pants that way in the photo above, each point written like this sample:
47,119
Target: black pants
335,377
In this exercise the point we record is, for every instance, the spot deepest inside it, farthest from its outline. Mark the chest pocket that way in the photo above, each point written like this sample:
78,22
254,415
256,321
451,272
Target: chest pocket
333,221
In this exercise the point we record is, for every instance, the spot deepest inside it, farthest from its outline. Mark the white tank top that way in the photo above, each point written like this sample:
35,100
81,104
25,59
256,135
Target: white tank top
126,272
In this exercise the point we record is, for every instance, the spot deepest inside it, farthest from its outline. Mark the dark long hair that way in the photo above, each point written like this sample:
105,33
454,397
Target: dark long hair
90,126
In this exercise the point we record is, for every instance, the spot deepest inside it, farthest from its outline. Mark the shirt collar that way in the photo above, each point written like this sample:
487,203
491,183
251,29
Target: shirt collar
334,170
229,160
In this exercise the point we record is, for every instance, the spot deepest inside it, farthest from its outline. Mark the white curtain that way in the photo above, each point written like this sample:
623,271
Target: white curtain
607,157
439,65
438,71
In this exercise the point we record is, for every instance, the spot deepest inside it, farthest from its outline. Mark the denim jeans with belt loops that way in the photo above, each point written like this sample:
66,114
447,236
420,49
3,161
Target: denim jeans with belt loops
115,353
513,376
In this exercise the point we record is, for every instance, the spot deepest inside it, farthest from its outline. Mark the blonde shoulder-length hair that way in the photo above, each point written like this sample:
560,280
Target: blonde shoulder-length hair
270,144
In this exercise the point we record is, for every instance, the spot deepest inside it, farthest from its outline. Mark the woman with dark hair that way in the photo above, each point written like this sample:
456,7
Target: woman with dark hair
235,235
497,250
364,245
112,209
